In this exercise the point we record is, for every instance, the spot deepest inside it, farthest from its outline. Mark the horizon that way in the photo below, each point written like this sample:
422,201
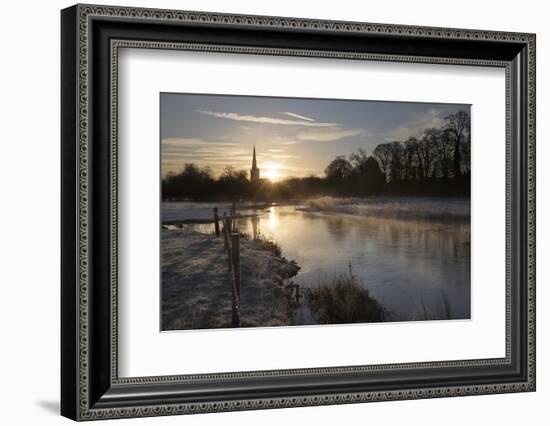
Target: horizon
294,137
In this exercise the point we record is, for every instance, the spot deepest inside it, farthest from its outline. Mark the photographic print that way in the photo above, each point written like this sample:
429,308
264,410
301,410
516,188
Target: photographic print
295,212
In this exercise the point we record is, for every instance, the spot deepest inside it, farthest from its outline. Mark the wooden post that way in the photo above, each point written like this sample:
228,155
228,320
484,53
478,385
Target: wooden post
225,239
236,254
228,229
227,236
216,222
236,258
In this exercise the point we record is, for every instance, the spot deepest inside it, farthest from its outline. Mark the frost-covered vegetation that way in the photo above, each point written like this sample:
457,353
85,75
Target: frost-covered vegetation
344,299
196,285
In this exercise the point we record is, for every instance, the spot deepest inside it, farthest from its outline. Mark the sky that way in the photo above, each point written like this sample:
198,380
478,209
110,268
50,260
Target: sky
294,137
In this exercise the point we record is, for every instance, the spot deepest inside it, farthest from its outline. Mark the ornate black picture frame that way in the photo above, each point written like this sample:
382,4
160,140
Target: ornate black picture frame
91,387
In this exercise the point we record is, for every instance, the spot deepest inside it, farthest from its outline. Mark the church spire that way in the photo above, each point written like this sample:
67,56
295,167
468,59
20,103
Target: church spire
254,171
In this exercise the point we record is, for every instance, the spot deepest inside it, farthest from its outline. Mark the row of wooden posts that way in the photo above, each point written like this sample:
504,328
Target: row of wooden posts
231,244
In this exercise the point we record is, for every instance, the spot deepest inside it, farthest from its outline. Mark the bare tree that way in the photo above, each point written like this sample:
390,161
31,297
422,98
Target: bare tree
426,153
457,125
383,155
359,160
437,148
412,160
397,160
339,169
444,146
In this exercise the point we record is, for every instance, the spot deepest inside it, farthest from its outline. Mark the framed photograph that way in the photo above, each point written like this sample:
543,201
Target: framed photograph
263,212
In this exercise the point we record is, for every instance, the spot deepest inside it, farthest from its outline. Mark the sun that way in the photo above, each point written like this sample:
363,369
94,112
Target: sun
271,171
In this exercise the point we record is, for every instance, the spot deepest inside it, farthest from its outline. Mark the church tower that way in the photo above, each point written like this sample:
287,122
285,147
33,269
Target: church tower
254,171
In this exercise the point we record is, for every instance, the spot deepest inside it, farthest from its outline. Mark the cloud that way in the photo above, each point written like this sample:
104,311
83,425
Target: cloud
316,131
285,156
264,120
215,153
328,134
191,142
301,117
200,147
426,120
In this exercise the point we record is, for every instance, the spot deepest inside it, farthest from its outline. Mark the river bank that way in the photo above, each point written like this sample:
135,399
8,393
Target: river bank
196,285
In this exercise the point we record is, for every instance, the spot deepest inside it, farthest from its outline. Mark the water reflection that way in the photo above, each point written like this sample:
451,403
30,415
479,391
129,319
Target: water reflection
404,263
255,220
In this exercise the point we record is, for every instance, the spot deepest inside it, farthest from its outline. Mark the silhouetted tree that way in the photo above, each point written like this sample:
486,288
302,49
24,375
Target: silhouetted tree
191,181
397,160
234,183
444,148
426,153
383,154
369,178
457,125
339,170
412,162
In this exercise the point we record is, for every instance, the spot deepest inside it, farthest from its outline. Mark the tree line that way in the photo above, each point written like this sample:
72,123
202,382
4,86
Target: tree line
437,162
443,152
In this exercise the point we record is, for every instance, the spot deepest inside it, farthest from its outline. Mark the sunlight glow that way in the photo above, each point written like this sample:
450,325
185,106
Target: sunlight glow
271,171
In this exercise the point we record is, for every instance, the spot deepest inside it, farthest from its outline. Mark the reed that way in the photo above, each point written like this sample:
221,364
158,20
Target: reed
345,299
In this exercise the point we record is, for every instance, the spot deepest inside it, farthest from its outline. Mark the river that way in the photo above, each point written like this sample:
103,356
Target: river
412,254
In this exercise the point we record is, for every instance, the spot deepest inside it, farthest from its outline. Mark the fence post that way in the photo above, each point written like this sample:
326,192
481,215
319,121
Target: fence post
236,258
216,223
227,237
225,240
